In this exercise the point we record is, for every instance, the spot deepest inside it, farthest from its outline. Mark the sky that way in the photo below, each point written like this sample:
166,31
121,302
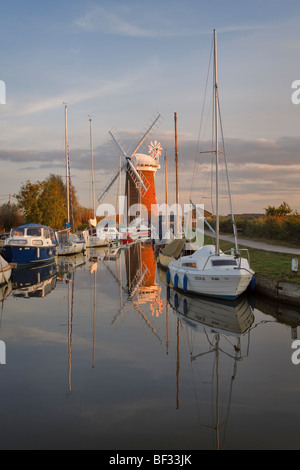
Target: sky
120,63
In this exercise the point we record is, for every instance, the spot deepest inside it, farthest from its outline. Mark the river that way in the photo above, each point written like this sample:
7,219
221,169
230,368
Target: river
101,354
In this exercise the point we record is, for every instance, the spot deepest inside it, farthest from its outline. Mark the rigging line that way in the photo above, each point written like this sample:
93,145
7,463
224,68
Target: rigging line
212,159
227,175
202,113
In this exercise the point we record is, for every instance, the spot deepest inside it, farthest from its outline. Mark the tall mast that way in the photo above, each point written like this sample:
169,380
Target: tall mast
93,182
166,190
67,167
216,140
176,167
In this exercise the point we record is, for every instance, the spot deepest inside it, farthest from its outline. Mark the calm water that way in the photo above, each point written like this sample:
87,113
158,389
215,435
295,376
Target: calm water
101,355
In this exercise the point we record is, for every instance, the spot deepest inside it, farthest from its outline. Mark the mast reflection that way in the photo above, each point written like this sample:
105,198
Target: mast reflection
214,333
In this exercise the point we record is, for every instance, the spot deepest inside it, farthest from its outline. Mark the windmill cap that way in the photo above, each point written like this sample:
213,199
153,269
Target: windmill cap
140,159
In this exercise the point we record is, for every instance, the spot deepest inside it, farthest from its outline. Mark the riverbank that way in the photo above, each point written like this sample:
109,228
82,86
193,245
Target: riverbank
272,265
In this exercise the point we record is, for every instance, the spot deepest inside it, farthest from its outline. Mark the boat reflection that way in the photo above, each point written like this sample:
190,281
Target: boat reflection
214,334
232,318
104,253
34,282
69,264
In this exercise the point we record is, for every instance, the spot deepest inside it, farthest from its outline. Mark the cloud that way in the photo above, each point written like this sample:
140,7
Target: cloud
281,152
102,20
74,96
262,172
99,19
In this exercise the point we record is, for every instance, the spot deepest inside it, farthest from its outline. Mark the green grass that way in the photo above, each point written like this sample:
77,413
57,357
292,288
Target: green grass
267,263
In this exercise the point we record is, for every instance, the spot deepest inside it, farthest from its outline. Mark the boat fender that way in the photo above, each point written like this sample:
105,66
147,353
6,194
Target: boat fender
252,284
176,281
185,281
168,277
176,301
185,306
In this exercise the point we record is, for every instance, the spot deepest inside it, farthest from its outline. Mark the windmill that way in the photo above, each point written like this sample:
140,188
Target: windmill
140,170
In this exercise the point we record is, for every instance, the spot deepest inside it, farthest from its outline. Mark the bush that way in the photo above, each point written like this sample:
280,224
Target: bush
272,227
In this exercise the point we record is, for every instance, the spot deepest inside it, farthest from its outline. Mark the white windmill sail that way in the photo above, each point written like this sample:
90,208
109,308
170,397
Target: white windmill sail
139,180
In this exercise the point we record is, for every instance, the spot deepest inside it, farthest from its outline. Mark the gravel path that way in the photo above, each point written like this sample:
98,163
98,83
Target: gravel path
261,245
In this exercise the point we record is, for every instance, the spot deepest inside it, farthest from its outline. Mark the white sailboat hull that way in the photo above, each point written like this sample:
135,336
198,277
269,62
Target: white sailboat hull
70,248
203,273
226,286
94,242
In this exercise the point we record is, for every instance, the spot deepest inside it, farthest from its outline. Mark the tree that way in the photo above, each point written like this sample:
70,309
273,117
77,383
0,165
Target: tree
10,216
45,202
52,202
28,201
282,211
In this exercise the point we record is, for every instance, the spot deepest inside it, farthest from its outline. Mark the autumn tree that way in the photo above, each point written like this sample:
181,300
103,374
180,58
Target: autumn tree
10,216
52,202
45,202
28,202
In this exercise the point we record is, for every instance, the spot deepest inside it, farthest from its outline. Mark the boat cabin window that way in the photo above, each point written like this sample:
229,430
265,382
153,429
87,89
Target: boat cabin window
189,265
34,232
47,233
15,232
224,262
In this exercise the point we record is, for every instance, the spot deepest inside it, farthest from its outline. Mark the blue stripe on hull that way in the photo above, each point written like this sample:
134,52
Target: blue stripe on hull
28,256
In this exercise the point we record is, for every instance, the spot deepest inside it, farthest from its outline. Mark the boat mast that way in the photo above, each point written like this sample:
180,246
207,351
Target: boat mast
176,167
67,167
216,140
93,182
166,190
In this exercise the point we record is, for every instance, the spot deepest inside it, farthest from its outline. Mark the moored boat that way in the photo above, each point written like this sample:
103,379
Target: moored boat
69,243
5,271
171,251
30,245
209,271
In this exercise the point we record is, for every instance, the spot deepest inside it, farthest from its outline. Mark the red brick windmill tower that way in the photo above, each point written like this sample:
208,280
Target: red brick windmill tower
140,190
140,171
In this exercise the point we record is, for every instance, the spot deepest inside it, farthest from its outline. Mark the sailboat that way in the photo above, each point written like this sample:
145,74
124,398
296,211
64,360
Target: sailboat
92,236
209,271
68,243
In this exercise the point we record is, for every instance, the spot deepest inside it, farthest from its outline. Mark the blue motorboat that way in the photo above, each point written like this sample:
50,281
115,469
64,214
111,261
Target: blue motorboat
30,245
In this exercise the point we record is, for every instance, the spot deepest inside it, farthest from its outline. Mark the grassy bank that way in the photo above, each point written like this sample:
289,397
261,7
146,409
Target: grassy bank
267,263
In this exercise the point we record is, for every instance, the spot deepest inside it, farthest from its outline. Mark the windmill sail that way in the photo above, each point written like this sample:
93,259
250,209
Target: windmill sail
140,182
